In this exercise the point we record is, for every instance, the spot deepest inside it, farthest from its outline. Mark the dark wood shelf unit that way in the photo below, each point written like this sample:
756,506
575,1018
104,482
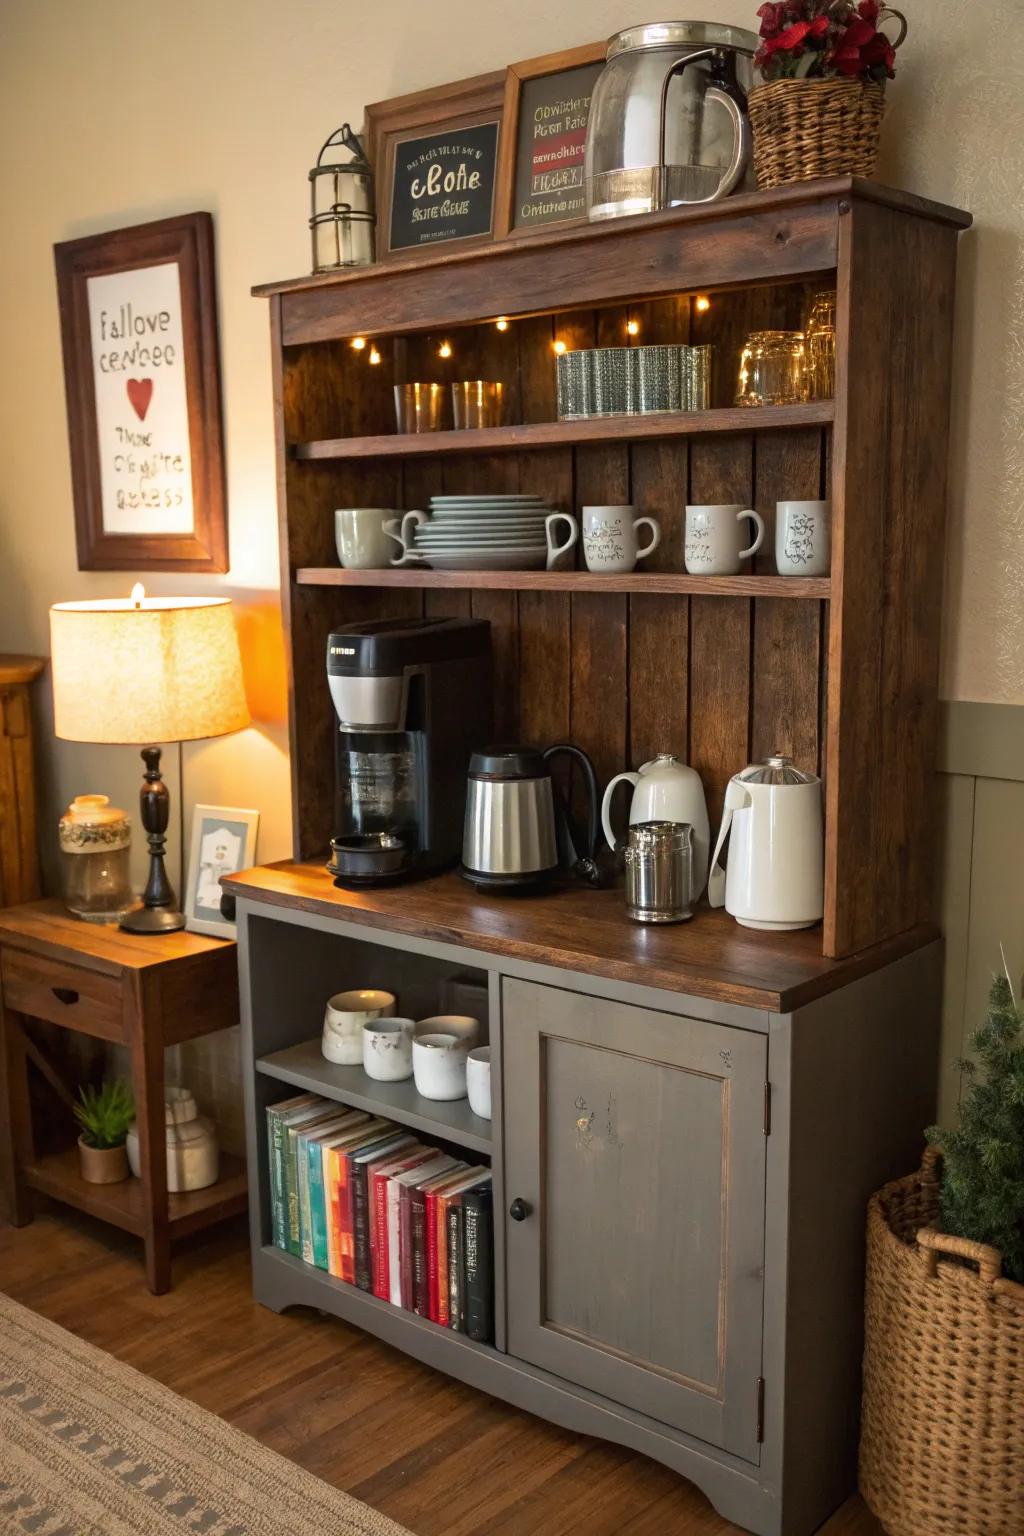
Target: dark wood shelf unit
304,1066
57,1174
555,434
719,673
662,584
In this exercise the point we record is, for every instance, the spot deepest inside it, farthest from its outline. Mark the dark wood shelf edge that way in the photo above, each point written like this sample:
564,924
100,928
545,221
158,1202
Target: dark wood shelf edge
56,1174
593,429
741,205
656,583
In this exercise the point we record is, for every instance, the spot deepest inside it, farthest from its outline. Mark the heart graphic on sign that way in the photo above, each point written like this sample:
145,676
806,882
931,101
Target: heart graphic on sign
140,393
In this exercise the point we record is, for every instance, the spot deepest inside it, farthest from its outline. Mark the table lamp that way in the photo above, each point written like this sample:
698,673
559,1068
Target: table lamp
147,669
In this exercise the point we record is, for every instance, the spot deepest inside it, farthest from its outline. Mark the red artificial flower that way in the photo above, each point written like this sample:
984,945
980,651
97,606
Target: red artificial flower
771,18
869,9
793,37
879,51
857,34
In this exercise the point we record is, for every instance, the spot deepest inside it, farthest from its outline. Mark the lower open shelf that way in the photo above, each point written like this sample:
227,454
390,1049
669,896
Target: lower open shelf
123,1205
663,583
305,1067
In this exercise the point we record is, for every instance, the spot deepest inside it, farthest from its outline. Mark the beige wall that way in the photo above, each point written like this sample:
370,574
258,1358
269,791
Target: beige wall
113,113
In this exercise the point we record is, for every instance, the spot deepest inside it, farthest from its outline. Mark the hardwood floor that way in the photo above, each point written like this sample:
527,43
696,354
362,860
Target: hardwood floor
434,1455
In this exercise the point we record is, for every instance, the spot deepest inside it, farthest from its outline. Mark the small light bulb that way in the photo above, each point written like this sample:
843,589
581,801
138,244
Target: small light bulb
445,349
358,343
138,596
374,355
632,327
702,303
501,323
559,347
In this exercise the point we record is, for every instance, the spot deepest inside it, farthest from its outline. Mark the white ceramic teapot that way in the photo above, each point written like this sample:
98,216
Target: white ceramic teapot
775,877
666,790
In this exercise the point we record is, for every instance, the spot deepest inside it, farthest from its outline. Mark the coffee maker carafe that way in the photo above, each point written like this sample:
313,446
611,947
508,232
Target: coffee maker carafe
413,698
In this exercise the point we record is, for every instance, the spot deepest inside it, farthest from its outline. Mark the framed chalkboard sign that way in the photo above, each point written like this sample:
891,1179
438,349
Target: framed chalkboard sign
547,106
436,156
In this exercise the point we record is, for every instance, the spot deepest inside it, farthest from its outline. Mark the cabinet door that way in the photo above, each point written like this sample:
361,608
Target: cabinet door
635,1141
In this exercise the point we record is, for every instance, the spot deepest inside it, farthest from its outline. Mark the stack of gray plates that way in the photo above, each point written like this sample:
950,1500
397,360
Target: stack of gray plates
484,533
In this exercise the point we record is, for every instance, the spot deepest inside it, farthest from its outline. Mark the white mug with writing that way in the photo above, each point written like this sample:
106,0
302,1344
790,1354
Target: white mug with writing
714,538
803,543
610,543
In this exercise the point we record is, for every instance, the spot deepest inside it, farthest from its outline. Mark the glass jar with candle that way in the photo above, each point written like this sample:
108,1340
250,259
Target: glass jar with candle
820,331
773,369
95,846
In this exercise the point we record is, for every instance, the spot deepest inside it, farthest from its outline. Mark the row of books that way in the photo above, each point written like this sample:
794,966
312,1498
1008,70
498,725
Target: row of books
370,1203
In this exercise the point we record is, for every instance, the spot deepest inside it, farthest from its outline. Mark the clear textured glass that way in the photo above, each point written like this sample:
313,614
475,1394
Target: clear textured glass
614,380
478,403
659,370
575,385
421,407
820,331
773,369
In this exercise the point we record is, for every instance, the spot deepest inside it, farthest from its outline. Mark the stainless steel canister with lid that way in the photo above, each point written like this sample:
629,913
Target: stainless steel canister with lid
659,872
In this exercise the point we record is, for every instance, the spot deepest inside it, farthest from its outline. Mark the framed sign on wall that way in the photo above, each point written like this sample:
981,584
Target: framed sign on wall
142,382
435,154
547,106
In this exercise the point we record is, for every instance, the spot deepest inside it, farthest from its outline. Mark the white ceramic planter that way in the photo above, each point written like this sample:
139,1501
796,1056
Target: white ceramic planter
387,1049
439,1066
478,1081
344,1017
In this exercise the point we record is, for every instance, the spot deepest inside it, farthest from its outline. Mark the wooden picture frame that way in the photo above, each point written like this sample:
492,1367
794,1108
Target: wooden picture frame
142,382
586,62
432,115
237,851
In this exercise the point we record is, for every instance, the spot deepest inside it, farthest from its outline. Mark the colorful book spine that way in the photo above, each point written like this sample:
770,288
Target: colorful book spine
361,1227
478,1251
278,1199
406,1281
455,1288
317,1205
441,1225
420,1281
305,1215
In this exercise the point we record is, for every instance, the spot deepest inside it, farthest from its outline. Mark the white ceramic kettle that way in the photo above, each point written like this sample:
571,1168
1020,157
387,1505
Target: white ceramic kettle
666,790
775,877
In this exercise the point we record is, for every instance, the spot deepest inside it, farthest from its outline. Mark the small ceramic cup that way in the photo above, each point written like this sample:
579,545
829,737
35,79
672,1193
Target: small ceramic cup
461,1025
803,545
714,538
478,1081
439,1066
387,1049
610,543
361,540
344,1017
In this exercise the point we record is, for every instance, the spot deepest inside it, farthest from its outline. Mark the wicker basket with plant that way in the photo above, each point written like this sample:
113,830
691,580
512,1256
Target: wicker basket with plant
942,1433
823,64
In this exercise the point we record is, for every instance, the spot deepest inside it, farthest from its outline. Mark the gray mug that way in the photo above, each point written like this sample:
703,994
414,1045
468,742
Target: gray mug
361,540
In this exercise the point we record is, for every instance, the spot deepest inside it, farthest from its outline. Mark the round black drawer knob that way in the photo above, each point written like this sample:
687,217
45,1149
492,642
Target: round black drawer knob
519,1210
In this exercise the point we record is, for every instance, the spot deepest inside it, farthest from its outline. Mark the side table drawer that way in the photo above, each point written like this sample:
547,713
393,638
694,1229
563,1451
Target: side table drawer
69,995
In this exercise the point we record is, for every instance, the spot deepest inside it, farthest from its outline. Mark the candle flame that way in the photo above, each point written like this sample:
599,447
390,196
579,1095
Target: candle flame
138,595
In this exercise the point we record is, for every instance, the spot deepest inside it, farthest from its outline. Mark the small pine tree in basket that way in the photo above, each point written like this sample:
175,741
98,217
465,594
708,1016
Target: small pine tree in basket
983,1158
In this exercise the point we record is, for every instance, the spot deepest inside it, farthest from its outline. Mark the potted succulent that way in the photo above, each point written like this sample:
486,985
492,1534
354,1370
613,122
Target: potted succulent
823,65
942,1424
104,1115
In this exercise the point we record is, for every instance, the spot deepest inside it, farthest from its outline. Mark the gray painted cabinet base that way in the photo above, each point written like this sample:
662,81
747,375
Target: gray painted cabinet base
716,1159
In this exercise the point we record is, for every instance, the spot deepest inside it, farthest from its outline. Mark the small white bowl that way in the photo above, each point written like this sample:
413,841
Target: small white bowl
460,1025
439,1066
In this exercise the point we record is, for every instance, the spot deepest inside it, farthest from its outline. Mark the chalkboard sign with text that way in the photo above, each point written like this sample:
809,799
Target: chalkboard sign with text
550,140
443,186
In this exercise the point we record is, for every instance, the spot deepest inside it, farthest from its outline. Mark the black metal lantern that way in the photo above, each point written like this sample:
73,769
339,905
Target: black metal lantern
341,207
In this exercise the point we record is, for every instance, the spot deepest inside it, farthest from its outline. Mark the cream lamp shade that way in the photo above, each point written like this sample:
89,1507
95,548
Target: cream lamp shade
146,669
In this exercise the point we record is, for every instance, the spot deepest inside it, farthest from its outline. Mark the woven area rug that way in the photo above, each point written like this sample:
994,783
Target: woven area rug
89,1447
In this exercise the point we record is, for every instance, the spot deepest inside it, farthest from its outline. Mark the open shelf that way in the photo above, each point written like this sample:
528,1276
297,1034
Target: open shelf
304,1066
663,582
57,1174
556,434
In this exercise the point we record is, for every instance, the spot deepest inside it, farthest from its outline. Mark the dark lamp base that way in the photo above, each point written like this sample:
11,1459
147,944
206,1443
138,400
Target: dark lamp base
152,920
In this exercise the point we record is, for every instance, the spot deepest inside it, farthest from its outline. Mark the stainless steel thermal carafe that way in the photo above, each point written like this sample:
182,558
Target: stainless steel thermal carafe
659,872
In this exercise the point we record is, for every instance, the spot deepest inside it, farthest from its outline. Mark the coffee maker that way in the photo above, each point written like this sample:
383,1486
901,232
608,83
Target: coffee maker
413,698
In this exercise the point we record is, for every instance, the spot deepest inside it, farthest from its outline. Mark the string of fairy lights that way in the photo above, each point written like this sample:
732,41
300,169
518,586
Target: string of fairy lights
445,350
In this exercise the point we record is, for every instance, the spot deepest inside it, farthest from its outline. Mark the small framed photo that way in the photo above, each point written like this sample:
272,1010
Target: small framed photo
435,159
223,842
544,134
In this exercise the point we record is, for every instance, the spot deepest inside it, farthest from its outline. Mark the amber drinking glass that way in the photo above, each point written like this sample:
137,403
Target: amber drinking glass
773,369
820,331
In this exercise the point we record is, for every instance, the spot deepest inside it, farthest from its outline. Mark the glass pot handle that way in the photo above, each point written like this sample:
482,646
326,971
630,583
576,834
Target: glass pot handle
733,100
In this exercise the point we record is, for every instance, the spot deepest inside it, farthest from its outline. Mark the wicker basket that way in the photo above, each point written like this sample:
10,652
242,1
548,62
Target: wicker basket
942,1433
807,128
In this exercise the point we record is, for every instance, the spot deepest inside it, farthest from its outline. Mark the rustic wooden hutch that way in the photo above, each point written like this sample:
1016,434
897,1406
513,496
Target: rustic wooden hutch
750,1085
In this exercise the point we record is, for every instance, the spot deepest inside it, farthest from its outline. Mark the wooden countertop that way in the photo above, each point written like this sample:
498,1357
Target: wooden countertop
586,930
48,928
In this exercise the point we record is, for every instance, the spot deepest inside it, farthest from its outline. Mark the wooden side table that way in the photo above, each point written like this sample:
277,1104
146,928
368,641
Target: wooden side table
145,992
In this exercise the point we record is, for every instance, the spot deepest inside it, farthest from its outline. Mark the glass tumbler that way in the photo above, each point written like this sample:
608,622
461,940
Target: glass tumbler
696,370
821,346
478,403
575,394
659,378
773,369
421,407
614,382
